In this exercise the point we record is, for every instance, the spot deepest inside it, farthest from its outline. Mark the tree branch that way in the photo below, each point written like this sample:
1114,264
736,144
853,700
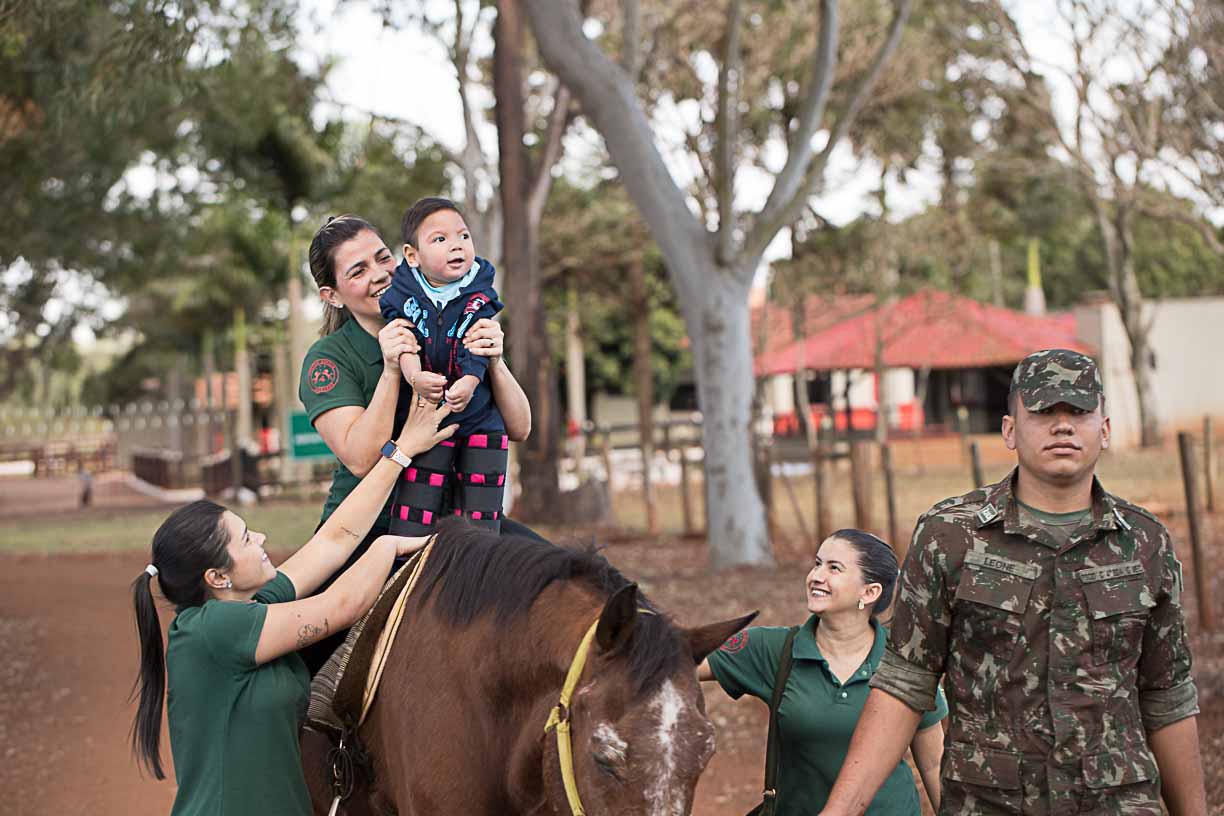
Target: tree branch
631,37
728,130
558,123
607,96
785,213
799,146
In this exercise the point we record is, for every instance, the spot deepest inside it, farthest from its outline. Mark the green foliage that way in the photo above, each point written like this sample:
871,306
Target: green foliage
588,239
85,90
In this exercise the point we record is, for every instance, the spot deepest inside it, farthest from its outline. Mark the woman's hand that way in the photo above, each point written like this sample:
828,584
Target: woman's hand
394,339
406,545
484,339
430,385
420,431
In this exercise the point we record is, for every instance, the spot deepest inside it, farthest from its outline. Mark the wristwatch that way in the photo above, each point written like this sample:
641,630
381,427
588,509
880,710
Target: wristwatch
396,455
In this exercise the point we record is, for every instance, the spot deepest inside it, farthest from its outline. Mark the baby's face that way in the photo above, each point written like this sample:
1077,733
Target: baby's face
445,251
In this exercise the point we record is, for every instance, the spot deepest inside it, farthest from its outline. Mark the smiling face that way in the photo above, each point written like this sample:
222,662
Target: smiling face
363,267
444,250
250,568
836,582
1058,445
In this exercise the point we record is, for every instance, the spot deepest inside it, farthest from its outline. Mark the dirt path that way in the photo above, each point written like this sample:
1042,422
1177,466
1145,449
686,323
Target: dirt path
67,633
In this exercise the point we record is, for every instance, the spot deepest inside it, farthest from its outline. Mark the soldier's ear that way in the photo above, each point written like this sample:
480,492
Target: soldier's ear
1009,431
1105,432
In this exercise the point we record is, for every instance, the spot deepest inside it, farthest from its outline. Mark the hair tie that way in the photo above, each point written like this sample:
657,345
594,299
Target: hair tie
152,570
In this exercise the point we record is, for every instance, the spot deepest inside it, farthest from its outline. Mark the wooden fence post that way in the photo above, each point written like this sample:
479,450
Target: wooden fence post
686,502
1202,583
605,450
891,496
860,479
1209,464
975,463
820,467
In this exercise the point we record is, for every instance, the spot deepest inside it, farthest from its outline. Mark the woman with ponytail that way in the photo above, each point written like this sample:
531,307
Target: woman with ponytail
234,685
832,658
351,383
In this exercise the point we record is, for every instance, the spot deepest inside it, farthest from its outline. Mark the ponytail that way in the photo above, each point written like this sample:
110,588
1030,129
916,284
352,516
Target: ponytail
333,318
191,541
151,682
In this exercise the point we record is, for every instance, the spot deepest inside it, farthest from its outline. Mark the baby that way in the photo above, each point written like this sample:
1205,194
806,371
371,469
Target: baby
442,288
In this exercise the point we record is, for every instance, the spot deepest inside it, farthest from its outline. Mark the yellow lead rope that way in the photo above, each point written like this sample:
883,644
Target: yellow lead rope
559,719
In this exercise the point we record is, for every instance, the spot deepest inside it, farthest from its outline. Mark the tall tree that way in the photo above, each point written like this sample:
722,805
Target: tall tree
1117,79
712,254
85,91
524,187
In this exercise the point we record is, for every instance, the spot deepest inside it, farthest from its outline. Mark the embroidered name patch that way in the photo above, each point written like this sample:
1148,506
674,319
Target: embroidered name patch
1128,569
736,642
998,562
322,375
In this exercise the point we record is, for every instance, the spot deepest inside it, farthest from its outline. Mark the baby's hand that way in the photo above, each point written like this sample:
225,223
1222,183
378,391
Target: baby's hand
460,394
429,385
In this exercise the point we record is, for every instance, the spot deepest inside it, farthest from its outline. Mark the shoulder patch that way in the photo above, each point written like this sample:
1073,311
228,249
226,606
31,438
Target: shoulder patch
987,514
322,375
735,643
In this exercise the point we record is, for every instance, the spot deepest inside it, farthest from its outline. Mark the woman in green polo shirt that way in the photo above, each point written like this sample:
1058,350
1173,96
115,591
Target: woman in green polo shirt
350,382
235,688
835,653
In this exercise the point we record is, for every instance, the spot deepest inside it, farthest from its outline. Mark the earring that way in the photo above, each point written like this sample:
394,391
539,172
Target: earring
230,585
861,604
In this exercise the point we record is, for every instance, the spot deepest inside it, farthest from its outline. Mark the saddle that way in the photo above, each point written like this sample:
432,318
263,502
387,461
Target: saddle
343,690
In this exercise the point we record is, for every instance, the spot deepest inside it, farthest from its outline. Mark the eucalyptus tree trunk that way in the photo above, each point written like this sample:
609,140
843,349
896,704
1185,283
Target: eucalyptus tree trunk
1117,231
528,332
643,372
720,330
712,271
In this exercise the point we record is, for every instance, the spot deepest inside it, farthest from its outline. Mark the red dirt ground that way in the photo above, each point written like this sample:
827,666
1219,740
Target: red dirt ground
67,634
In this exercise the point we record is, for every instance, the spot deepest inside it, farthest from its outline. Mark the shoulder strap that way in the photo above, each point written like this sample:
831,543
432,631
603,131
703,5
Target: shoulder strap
772,750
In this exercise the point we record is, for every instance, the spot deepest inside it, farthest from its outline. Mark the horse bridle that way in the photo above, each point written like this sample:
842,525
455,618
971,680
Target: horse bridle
559,717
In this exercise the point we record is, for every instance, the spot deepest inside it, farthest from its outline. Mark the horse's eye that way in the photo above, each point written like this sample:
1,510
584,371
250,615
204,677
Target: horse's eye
608,766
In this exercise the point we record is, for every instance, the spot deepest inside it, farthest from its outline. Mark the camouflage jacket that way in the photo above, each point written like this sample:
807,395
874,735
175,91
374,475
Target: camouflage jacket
1055,660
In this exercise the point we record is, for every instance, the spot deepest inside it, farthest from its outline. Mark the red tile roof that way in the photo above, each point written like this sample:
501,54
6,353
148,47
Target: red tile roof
927,329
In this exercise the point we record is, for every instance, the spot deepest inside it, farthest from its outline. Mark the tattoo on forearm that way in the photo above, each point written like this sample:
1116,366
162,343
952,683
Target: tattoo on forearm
349,532
309,633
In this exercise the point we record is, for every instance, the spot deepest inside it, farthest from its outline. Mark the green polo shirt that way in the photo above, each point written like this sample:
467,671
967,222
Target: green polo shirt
233,722
816,717
342,368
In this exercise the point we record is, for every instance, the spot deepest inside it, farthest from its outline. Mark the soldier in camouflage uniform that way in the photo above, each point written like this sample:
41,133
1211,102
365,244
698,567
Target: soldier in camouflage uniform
1052,610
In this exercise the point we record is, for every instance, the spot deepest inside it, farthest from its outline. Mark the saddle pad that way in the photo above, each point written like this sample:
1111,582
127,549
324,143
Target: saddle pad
332,706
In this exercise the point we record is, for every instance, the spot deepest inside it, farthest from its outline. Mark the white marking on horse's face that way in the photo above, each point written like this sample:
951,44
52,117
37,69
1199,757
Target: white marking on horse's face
609,743
665,796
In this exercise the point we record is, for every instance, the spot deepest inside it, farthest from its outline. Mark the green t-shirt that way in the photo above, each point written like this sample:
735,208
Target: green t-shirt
1059,525
234,724
342,369
816,717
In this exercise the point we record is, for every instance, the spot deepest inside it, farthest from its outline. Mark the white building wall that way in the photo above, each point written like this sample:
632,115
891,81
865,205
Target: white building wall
1187,339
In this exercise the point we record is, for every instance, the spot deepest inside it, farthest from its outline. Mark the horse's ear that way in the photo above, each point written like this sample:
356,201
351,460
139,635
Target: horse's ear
618,618
705,639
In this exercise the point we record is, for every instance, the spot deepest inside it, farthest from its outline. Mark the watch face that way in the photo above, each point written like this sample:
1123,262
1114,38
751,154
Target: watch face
388,450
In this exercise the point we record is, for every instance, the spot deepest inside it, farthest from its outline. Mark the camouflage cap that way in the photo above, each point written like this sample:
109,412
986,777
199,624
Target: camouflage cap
1046,378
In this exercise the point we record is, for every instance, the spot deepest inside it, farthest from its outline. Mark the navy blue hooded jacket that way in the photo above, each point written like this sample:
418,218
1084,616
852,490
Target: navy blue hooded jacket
440,333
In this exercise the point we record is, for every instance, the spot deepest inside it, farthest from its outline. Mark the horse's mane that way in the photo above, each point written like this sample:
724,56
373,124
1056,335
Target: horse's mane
472,572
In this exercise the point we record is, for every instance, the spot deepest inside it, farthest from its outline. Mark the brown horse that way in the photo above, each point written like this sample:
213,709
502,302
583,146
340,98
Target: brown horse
458,725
